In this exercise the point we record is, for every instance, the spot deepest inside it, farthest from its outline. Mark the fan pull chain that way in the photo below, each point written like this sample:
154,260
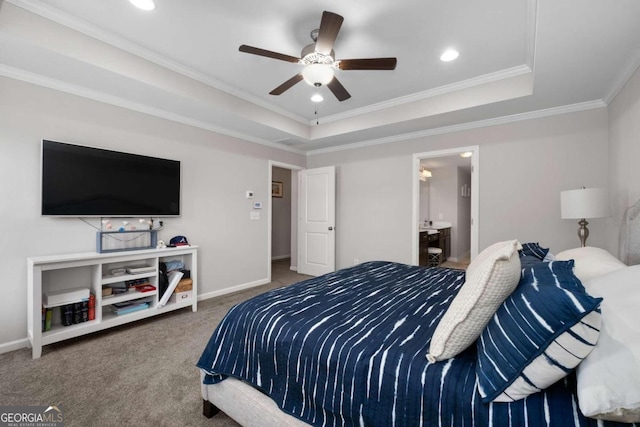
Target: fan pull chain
317,119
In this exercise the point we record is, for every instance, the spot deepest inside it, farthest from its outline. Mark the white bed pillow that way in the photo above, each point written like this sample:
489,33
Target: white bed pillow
590,262
609,378
490,279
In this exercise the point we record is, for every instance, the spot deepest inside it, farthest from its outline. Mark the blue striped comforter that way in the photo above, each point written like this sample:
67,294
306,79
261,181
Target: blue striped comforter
348,349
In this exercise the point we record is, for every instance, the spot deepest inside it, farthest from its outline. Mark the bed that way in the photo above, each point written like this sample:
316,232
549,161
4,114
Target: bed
373,345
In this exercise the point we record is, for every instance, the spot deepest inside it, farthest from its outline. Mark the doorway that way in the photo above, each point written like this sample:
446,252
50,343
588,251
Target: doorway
453,189
282,242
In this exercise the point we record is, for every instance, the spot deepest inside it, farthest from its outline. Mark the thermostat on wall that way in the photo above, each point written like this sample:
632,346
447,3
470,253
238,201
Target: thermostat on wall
257,205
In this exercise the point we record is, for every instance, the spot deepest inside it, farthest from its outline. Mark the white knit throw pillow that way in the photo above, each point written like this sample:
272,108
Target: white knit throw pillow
491,278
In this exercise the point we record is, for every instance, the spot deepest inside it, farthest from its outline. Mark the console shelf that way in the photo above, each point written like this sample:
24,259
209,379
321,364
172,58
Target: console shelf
129,296
124,277
91,270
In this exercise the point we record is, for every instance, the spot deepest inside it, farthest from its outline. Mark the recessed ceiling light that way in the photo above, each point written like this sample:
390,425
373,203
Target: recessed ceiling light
317,97
466,154
143,4
449,55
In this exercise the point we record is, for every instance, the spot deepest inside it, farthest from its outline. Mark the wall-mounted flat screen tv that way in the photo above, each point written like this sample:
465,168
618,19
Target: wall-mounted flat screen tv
84,181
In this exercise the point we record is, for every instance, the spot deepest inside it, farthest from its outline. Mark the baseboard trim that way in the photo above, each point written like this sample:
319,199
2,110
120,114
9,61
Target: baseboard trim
233,289
275,258
14,345
294,268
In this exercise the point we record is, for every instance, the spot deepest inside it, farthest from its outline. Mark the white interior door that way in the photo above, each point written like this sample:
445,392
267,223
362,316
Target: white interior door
316,223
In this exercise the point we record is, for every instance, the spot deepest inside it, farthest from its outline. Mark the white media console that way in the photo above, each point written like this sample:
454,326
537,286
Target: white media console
57,273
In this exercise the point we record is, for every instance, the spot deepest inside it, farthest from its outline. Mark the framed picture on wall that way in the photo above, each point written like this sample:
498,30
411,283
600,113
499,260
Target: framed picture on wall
276,189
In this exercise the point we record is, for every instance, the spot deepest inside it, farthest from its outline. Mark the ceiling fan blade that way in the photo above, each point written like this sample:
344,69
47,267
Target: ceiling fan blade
328,31
368,64
338,90
269,54
286,85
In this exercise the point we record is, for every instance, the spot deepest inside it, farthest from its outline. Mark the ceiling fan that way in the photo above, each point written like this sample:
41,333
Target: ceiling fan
319,59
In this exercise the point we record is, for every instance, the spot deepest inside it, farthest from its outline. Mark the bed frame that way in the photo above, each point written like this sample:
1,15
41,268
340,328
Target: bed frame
245,404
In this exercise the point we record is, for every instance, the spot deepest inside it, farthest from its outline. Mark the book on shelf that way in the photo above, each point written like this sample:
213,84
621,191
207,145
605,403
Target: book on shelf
174,278
66,314
129,307
47,315
77,312
136,269
118,288
140,285
146,287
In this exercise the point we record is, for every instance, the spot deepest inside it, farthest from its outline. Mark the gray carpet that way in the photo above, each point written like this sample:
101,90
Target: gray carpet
140,374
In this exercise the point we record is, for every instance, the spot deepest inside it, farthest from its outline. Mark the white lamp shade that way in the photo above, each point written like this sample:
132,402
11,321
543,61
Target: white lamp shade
317,74
585,203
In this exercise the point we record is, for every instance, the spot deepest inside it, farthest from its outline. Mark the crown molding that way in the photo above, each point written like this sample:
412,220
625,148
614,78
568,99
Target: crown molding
63,18
39,80
418,96
555,111
631,68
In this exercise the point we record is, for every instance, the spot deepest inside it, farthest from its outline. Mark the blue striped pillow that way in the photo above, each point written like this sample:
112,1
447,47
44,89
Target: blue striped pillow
543,330
529,261
533,249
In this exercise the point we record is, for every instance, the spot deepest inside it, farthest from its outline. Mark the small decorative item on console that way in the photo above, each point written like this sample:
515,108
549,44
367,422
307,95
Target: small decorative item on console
178,241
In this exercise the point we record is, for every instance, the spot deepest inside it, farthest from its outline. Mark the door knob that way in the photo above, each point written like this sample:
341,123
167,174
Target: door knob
330,228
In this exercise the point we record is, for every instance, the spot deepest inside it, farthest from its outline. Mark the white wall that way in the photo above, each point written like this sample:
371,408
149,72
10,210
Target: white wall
624,161
216,172
523,167
281,216
443,204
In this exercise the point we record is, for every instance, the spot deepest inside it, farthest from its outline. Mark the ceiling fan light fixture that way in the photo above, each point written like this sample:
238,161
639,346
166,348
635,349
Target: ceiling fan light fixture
143,4
318,74
316,97
449,55
319,62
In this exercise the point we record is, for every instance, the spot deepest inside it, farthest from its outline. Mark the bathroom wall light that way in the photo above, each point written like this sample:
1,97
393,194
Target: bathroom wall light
424,174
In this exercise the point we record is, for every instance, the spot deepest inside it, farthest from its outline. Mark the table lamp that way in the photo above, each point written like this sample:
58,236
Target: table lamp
582,204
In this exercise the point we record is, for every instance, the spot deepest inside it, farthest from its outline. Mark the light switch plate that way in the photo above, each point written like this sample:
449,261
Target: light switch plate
254,216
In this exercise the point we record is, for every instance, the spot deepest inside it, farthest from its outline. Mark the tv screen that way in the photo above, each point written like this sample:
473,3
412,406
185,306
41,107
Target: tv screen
84,181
